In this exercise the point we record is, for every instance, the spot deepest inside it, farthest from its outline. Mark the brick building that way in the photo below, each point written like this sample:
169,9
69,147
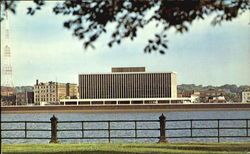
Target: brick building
212,96
52,92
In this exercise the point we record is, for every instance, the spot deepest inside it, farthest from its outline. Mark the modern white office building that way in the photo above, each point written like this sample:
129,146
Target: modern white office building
127,85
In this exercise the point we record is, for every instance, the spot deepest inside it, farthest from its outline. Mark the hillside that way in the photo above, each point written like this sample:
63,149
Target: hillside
232,92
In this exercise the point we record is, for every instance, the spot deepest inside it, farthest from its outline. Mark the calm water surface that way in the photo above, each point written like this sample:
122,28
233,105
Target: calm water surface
128,116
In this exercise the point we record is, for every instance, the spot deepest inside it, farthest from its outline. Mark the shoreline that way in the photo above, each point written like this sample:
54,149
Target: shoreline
124,108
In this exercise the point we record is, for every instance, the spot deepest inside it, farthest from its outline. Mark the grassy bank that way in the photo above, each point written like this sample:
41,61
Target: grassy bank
129,148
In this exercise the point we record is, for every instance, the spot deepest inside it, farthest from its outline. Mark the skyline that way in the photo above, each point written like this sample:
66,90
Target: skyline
44,50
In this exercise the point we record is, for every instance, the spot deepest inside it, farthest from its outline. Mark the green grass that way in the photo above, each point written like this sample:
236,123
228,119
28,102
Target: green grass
128,148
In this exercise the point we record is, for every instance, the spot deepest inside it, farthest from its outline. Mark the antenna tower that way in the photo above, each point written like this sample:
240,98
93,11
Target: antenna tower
7,79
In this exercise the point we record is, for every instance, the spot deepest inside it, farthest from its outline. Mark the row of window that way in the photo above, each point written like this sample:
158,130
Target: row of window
125,85
45,99
43,91
37,96
43,87
246,94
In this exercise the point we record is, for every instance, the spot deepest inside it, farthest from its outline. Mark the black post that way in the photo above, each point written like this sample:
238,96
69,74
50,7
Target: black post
82,129
191,128
109,131
53,129
218,130
162,129
135,130
247,127
25,125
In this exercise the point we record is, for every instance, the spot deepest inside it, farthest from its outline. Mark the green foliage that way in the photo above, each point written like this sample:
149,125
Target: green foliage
90,19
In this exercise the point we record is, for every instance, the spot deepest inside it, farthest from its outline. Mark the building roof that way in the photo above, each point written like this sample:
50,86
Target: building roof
53,83
128,69
125,73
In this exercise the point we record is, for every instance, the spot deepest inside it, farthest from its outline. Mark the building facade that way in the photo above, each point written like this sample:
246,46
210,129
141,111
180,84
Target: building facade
25,98
128,82
212,96
193,95
8,96
52,92
246,96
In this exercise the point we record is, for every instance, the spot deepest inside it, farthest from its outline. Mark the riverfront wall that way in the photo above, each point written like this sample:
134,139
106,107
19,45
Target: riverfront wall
125,108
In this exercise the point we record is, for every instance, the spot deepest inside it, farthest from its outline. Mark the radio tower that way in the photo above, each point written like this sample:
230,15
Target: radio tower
7,79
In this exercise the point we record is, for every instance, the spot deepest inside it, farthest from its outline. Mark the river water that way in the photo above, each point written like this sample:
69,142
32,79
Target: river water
129,116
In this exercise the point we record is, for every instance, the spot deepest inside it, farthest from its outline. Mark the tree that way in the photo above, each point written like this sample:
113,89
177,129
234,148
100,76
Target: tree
89,18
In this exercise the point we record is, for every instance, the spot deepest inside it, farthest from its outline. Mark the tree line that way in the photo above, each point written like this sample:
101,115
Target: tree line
232,92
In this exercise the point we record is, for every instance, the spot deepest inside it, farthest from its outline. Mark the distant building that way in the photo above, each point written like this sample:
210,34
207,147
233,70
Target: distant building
189,93
212,95
246,96
127,85
24,98
7,91
8,96
193,95
128,82
219,99
52,92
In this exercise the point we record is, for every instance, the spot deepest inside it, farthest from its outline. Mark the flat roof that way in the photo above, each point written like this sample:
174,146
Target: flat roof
128,69
125,73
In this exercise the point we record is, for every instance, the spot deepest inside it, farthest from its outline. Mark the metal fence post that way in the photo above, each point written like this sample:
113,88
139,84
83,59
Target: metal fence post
109,131
25,129
54,121
162,129
247,127
218,130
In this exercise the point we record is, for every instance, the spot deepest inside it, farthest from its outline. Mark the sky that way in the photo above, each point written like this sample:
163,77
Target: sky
205,55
